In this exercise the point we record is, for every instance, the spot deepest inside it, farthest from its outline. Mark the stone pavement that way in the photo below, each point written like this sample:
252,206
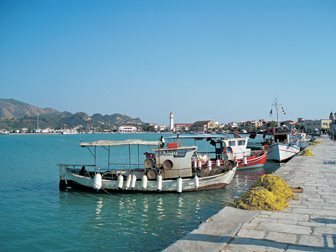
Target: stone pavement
308,224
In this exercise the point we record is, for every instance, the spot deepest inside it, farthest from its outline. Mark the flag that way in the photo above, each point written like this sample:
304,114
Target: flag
270,112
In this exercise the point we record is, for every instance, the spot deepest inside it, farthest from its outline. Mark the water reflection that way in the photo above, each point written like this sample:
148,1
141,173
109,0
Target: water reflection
179,208
99,208
145,206
156,219
160,209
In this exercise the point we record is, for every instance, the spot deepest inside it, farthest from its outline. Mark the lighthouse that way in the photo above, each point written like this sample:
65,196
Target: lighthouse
171,120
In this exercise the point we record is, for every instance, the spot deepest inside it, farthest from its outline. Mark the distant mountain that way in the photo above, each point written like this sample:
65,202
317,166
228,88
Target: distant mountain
17,115
13,109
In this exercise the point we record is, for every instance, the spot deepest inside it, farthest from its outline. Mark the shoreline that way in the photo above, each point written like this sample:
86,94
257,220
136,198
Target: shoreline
308,223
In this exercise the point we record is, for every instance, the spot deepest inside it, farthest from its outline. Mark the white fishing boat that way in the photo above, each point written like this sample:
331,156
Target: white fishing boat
166,168
281,146
280,141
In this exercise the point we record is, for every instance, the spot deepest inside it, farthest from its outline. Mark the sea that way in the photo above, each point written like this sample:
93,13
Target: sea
36,216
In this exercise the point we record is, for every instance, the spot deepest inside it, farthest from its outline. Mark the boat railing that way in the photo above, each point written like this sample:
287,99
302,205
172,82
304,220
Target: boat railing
129,166
76,166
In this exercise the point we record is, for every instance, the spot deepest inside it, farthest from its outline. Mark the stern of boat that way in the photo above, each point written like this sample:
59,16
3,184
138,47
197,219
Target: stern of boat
62,181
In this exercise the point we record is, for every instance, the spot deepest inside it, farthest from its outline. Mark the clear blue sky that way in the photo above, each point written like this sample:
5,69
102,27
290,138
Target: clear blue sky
220,60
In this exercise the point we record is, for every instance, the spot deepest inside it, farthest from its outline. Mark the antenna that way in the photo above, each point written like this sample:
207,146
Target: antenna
37,122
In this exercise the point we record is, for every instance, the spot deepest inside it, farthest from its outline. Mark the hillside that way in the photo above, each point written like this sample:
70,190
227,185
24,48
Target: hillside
17,115
13,109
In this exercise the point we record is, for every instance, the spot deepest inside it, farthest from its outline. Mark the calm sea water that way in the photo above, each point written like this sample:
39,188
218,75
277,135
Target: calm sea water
36,216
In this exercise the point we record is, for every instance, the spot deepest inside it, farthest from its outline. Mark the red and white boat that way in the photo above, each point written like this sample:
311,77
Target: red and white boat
257,159
227,148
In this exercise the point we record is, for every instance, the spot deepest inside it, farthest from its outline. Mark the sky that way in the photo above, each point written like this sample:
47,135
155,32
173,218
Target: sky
201,59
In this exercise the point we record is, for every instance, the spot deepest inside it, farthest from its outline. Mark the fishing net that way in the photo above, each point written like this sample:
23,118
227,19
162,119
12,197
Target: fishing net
269,192
315,142
307,152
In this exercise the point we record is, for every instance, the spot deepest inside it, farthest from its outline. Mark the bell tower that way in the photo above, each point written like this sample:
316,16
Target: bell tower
171,121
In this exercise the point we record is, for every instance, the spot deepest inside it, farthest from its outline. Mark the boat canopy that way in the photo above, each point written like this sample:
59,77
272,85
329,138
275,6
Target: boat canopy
118,143
198,136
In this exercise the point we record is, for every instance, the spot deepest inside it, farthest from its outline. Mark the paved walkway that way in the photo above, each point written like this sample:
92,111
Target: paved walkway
308,224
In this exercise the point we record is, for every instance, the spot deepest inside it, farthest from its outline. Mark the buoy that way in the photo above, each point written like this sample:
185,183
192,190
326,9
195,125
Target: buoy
199,165
196,182
209,164
245,160
144,181
97,181
179,185
120,181
133,181
218,162
128,181
194,162
159,182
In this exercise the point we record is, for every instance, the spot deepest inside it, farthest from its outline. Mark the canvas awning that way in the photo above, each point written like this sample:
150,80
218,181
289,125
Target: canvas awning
116,143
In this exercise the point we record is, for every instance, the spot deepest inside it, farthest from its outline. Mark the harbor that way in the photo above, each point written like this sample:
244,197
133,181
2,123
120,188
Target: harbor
37,214
307,224
167,126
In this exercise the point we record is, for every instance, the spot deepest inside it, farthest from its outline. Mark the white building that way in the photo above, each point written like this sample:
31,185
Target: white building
127,129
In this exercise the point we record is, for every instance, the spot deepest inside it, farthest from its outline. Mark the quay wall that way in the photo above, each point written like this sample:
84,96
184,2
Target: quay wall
308,224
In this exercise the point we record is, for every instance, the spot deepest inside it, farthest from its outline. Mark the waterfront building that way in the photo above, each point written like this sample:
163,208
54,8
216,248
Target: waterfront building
163,127
251,125
182,126
127,129
232,125
310,125
202,126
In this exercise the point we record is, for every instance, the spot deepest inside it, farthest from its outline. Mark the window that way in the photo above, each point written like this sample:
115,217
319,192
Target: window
232,143
241,142
180,153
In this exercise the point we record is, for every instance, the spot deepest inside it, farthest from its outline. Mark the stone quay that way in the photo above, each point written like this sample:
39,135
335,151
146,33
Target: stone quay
308,224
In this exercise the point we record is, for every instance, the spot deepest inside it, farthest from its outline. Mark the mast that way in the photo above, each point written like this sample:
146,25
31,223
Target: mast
277,107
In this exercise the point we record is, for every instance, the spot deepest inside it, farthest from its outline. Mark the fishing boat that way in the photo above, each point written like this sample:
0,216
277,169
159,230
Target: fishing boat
164,168
256,159
281,143
281,146
223,147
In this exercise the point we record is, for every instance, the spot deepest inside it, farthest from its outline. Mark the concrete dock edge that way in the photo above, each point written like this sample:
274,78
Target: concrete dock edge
308,224
214,232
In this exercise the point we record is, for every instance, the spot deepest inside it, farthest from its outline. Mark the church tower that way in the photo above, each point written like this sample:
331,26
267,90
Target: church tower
171,121
331,116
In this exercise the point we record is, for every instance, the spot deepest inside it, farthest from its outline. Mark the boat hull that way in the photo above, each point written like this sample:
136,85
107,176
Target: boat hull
282,152
256,160
169,185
